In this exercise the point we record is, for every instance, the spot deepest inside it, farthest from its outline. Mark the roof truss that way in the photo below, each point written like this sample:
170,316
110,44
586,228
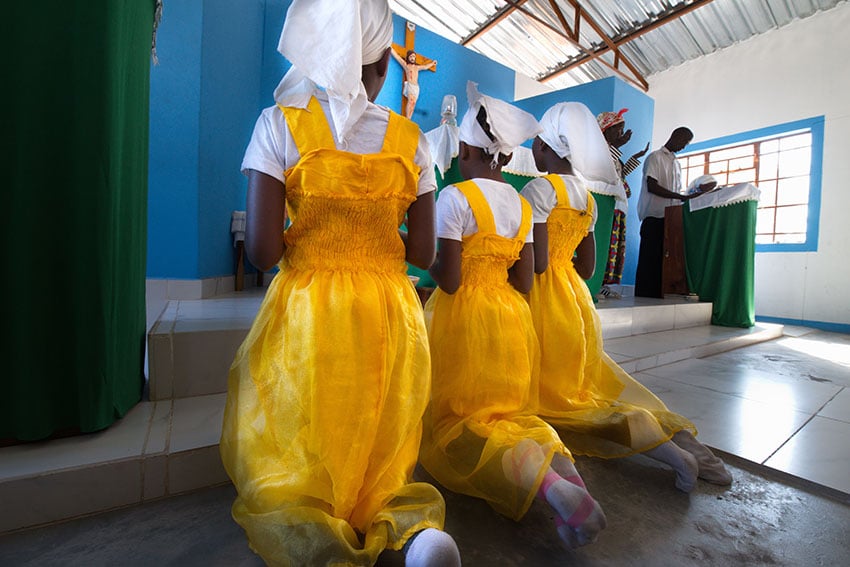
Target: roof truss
570,30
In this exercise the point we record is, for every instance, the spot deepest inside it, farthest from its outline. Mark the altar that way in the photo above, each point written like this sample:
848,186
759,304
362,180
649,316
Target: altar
713,239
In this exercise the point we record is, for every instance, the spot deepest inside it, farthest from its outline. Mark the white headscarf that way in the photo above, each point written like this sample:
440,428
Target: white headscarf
327,42
571,130
509,125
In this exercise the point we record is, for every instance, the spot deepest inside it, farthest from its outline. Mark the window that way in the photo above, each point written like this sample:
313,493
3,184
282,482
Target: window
784,162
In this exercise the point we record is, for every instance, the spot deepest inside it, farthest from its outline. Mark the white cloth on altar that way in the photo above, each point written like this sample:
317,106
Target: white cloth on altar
725,196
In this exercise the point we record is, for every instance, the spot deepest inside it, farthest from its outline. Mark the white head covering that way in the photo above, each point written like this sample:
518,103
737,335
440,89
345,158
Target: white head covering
572,131
327,42
509,125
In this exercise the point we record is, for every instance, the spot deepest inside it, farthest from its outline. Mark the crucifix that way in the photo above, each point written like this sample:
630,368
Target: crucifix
411,63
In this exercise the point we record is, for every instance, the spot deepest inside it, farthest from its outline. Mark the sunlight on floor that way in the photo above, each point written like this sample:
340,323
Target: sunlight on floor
832,352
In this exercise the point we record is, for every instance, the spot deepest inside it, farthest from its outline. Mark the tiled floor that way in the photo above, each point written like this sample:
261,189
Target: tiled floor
784,403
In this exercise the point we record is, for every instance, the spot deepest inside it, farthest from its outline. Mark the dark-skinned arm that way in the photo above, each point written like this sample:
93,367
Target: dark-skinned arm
655,188
265,216
584,259
521,274
446,268
420,242
541,247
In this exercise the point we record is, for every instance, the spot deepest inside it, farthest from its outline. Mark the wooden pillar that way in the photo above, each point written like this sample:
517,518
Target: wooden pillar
674,278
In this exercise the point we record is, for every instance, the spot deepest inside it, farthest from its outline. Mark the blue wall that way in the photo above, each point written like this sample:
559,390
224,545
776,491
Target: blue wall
639,119
204,100
174,129
230,79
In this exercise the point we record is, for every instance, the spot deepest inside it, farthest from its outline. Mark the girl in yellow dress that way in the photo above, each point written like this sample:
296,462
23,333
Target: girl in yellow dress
596,407
322,425
480,438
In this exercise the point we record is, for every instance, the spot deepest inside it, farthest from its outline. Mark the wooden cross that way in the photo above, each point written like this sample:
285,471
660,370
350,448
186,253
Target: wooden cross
401,51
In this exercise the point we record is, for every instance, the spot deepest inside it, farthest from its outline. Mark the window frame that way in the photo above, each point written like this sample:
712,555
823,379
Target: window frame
815,125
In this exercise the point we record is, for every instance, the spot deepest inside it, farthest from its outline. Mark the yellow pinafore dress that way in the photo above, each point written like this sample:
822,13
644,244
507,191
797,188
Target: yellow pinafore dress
322,424
596,407
484,357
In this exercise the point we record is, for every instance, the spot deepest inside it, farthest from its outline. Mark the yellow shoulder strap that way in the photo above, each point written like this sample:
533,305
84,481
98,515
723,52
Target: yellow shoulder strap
591,203
309,127
478,204
402,136
560,189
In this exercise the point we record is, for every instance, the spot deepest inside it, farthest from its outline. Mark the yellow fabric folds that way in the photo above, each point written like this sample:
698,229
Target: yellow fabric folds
325,396
596,407
484,357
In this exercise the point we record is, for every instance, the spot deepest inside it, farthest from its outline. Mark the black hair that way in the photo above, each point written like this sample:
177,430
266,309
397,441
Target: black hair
683,131
481,118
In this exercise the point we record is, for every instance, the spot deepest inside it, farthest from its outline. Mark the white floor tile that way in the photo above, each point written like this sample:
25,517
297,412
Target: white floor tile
819,452
838,408
750,429
794,393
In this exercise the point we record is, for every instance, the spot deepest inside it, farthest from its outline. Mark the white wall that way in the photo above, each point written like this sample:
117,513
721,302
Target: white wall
525,87
796,72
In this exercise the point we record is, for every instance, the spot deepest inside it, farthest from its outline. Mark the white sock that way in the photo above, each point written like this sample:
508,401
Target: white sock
523,462
683,463
432,548
711,467
580,518
562,465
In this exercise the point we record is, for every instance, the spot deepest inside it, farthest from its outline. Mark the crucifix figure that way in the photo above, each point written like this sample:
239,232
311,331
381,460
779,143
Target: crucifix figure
411,63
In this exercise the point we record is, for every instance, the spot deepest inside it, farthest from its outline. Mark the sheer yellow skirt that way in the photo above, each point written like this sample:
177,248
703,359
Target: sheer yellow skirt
597,408
484,356
322,424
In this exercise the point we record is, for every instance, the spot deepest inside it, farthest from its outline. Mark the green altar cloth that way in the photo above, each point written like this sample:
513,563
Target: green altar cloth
720,258
76,222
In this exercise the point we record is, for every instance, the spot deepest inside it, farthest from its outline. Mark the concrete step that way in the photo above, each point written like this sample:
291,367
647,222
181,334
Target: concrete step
192,344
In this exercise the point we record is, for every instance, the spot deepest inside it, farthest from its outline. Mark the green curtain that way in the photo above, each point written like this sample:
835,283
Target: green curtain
76,214
604,204
602,237
720,260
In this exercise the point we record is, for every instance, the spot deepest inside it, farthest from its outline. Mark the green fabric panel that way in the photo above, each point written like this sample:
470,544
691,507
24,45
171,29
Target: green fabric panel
720,260
602,237
77,221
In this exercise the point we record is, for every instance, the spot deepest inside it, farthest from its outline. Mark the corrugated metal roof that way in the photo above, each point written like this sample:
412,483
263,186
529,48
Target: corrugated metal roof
649,36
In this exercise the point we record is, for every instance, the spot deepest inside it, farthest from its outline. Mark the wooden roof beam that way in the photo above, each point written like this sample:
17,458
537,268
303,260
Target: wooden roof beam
670,16
493,20
568,34
618,57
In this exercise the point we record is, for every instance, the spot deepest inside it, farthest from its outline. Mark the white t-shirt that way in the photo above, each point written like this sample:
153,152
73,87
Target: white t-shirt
662,166
541,195
456,220
272,149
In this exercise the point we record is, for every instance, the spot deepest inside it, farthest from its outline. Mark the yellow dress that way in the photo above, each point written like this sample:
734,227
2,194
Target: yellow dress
596,407
322,424
484,357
